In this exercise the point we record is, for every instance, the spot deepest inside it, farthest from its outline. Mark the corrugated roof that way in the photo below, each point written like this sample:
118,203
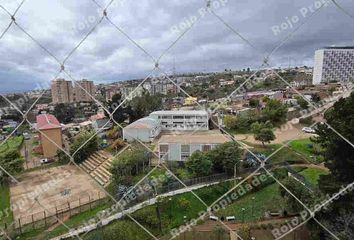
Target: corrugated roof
183,112
47,121
144,123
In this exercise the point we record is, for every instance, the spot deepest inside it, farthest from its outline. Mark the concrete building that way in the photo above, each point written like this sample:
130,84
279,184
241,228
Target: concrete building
84,89
130,92
145,130
50,134
334,64
182,120
180,147
62,91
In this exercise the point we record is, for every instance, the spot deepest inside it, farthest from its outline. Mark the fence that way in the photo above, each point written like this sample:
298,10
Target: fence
51,216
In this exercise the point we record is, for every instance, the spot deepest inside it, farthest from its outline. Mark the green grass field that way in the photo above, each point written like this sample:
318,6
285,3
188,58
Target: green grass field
302,146
254,204
5,213
313,175
284,154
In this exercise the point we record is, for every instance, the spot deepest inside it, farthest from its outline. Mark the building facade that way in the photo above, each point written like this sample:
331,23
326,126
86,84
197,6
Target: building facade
84,89
182,120
334,64
62,91
181,147
50,134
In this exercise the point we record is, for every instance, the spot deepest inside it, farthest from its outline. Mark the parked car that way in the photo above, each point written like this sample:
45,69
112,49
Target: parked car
308,130
46,160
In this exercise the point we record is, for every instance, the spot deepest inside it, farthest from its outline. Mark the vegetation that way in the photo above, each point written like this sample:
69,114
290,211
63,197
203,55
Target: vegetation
308,149
199,164
338,157
298,190
137,108
64,112
85,144
263,132
275,112
220,159
10,158
129,164
302,102
5,211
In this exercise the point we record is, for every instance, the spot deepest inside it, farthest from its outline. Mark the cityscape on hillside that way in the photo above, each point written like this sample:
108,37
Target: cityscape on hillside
218,150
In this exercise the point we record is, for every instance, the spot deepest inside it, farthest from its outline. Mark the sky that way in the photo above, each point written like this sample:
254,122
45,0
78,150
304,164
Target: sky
145,29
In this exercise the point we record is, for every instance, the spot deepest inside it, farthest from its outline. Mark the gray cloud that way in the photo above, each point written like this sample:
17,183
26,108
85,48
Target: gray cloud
107,55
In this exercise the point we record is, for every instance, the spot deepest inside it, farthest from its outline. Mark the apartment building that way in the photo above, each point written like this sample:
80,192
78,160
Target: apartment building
62,91
334,64
182,120
84,90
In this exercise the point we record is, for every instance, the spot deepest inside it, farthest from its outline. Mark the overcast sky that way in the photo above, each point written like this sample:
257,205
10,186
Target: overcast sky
107,55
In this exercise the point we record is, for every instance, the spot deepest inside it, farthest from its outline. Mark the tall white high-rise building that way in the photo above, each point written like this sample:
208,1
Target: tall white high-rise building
333,64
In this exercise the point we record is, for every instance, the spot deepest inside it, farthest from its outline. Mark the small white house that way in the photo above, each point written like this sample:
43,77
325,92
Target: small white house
144,129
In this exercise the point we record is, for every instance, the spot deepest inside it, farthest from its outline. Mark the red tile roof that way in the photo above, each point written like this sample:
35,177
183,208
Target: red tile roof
47,121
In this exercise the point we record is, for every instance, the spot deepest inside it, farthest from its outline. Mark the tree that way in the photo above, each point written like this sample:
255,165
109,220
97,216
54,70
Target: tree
263,132
339,159
316,98
63,157
128,164
85,144
254,102
225,156
12,162
199,164
120,114
230,122
142,106
275,112
298,190
302,102
64,113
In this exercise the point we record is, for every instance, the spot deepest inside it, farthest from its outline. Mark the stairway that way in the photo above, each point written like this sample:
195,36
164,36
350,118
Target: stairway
98,165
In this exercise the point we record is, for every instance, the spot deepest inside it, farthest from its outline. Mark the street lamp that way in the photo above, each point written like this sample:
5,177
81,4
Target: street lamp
243,214
235,169
253,198
170,208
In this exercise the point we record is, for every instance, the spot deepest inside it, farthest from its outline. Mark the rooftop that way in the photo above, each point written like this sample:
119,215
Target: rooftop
183,112
342,47
189,138
47,121
144,123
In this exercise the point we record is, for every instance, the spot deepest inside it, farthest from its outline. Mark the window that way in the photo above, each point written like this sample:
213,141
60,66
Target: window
206,148
164,148
185,152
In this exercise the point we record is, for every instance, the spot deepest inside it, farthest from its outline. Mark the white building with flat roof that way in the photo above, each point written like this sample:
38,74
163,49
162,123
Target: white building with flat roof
182,120
334,64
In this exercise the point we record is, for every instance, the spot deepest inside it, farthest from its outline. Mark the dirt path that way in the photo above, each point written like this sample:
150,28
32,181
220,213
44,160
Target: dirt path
293,132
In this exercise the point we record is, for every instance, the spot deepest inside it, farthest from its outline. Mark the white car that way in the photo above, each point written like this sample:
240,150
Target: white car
308,130
44,161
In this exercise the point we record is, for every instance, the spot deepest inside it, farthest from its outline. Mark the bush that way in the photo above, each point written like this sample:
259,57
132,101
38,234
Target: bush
306,121
184,204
